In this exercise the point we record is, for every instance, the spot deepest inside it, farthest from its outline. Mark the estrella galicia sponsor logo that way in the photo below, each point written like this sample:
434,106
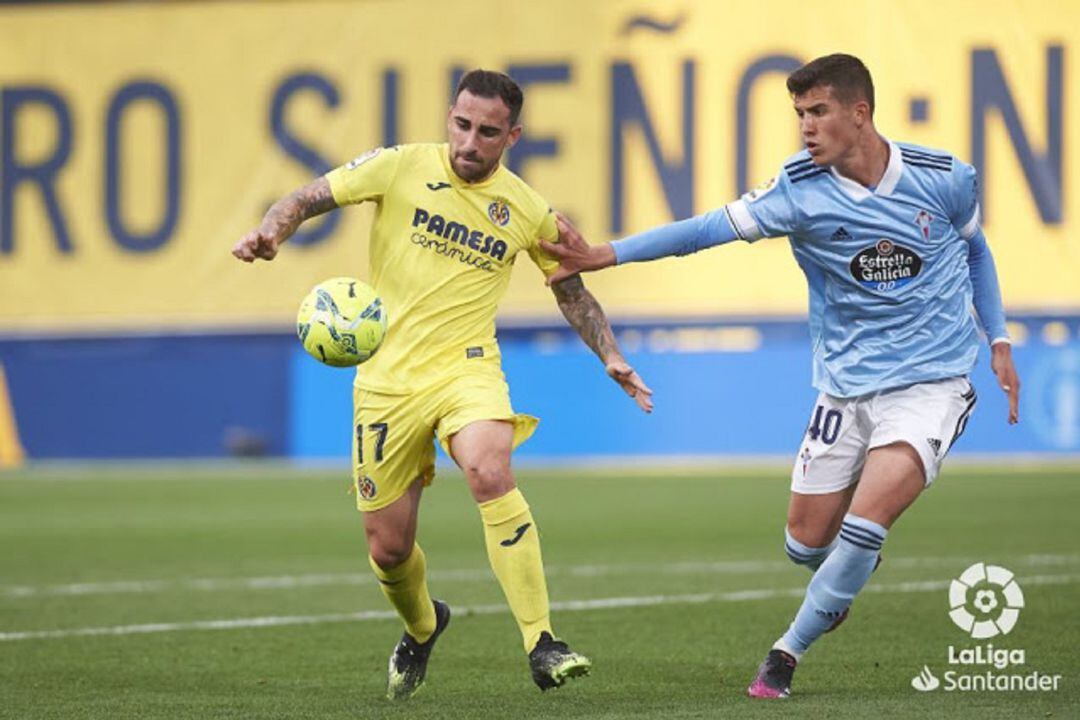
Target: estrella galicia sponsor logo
499,212
985,601
457,241
885,266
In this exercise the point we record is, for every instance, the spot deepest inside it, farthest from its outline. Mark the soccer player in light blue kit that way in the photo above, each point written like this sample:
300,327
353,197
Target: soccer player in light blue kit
888,236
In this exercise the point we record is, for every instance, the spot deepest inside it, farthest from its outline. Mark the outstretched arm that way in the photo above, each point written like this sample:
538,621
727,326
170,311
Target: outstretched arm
282,219
678,238
585,315
988,306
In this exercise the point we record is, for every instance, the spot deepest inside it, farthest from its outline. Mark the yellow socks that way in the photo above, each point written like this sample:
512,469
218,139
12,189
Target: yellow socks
405,587
513,547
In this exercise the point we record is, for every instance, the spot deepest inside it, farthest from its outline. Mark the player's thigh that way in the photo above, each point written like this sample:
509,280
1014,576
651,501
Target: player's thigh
929,417
477,396
891,481
826,469
814,520
392,447
482,451
483,444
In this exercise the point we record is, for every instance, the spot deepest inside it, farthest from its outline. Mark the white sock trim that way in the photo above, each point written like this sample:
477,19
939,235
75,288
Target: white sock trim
783,646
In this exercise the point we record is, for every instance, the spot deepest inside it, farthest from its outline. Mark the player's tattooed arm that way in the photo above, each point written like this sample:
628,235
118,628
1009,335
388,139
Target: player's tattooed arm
284,216
585,315
282,219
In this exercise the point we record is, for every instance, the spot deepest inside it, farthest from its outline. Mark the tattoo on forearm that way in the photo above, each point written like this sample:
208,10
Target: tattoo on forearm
284,216
585,315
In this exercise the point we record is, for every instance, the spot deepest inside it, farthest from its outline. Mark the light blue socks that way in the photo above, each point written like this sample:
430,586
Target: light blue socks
840,577
801,554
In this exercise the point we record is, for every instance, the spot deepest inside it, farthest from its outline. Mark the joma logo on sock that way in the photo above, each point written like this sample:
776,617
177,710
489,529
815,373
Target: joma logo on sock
517,535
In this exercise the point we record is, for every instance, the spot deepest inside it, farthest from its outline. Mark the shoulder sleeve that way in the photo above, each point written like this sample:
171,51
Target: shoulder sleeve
546,230
766,211
367,177
964,195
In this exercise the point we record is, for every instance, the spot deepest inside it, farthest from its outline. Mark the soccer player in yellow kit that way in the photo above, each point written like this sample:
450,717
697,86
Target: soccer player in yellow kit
449,225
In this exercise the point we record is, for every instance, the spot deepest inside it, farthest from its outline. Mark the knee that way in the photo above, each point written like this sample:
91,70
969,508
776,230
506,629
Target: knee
388,553
489,480
808,533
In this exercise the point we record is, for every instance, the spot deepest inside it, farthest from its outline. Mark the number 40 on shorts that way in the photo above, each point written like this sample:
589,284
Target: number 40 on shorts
827,428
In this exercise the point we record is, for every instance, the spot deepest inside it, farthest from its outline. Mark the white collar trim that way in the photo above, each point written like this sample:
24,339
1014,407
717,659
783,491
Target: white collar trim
888,181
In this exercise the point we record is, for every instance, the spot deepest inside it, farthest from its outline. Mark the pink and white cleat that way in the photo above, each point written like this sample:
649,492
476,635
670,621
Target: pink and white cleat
774,676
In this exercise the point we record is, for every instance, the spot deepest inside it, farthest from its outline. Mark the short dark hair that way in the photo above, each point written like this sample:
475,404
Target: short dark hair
491,84
845,74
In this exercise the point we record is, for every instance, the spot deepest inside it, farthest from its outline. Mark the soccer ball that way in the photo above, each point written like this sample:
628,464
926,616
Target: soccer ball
341,322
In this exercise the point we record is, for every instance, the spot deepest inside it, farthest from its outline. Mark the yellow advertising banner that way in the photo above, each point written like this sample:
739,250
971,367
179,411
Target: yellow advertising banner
139,141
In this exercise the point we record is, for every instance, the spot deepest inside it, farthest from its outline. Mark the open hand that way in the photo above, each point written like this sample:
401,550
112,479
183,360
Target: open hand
573,253
631,382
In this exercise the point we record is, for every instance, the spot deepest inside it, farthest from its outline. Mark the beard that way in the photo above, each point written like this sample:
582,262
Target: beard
474,171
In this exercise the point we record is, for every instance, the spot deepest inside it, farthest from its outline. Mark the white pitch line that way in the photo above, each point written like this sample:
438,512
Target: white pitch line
560,606
285,582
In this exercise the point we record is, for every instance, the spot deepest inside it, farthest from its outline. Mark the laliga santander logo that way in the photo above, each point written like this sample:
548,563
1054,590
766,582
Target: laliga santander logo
985,601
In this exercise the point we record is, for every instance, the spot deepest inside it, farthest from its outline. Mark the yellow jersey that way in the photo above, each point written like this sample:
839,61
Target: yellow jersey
440,255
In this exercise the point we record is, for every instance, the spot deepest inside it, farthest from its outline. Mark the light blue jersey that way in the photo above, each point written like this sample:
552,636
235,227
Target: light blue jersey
890,270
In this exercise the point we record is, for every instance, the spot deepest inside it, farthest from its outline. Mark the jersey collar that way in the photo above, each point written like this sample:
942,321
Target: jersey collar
888,181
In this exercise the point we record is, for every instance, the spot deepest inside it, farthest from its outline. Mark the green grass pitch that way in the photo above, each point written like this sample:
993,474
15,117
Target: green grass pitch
244,592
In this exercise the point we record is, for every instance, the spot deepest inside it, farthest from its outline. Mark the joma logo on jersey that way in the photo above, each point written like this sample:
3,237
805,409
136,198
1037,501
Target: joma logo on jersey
885,266
458,233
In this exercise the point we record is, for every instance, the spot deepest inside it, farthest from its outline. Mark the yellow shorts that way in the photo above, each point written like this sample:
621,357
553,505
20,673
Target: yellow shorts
392,434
